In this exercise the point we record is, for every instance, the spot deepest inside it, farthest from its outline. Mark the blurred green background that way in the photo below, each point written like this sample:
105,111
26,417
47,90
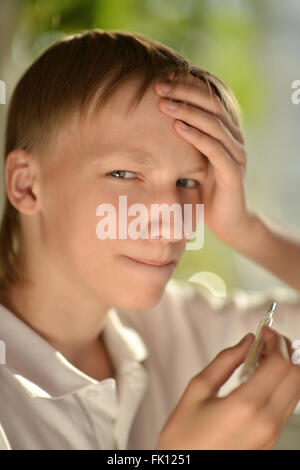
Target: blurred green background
242,42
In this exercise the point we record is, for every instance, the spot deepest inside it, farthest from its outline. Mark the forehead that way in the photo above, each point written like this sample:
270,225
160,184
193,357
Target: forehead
118,124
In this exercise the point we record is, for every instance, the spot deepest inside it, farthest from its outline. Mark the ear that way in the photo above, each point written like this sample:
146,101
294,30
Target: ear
21,178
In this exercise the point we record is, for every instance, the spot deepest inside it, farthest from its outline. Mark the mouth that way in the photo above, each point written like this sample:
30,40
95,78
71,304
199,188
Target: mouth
154,263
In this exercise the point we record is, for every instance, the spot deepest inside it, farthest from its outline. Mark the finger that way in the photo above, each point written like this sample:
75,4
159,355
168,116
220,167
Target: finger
218,156
278,415
199,95
290,411
289,346
286,348
268,376
285,397
207,123
220,369
270,336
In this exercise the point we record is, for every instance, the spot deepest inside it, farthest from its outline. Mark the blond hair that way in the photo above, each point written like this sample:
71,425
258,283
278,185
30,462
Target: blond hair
63,80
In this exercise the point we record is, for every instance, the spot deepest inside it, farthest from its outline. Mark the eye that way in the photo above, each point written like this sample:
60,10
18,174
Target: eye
187,182
196,183
120,172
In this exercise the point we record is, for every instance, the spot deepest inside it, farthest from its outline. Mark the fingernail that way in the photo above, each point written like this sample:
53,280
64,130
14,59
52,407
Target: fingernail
183,126
165,87
268,331
246,338
170,104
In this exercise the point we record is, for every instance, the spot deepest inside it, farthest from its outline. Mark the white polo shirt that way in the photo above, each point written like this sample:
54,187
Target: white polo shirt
47,403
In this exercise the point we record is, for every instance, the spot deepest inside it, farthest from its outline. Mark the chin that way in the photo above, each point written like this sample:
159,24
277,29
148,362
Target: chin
141,298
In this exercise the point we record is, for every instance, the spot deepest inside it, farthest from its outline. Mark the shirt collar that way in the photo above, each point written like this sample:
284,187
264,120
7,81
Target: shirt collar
45,372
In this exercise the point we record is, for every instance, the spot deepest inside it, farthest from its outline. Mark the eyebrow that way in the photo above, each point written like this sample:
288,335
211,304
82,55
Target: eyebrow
142,157
145,158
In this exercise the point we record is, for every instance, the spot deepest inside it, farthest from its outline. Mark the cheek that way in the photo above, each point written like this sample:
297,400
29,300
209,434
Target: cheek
85,244
193,210
69,228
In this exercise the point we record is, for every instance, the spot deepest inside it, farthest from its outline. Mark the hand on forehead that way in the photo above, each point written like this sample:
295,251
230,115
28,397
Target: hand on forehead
198,94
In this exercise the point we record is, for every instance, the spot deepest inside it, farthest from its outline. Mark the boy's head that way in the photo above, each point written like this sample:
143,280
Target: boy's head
83,108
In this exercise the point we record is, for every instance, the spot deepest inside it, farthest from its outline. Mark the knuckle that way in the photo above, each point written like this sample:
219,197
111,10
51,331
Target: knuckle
195,381
244,154
248,407
240,136
192,382
213,146
244,407
199,381
224,352
218,125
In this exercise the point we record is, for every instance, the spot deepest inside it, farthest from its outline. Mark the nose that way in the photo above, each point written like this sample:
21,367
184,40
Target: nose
169,219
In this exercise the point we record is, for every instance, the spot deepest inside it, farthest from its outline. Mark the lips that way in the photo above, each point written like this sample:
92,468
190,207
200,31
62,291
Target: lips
153,262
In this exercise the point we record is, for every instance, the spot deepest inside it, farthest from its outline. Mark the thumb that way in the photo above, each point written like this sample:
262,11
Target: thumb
221,368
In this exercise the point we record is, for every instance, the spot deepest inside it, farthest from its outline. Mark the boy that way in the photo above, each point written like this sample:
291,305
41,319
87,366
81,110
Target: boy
97,354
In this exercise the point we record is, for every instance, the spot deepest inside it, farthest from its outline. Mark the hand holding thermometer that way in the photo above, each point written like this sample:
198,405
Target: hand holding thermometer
255,350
